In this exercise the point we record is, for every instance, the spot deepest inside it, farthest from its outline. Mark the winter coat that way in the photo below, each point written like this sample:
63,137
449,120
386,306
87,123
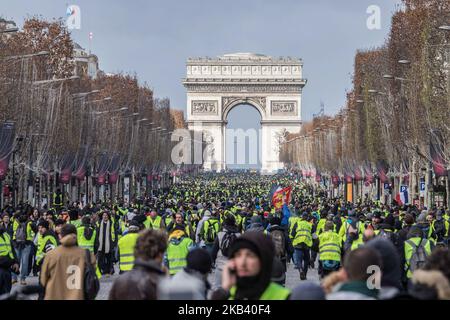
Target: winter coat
138,284
61,266
217,255
251,288
353,290
192,282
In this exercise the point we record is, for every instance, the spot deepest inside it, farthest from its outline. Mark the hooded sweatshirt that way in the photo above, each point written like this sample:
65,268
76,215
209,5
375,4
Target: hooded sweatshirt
252,288
256,224
391,270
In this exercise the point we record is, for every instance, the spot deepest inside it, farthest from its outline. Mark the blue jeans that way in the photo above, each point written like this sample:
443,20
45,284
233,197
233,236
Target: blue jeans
23,255
302,259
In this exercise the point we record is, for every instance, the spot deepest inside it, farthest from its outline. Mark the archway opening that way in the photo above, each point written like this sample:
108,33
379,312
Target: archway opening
243,138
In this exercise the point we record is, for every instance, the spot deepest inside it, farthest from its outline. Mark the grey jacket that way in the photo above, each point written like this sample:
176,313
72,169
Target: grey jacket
185,285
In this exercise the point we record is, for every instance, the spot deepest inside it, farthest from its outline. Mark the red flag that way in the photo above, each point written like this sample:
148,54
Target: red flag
281,197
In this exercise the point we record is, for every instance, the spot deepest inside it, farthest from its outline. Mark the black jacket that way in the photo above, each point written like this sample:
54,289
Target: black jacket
251,288
138,284
287,241
216,245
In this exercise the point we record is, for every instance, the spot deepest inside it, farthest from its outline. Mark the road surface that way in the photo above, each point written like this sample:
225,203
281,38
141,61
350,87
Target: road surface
292,280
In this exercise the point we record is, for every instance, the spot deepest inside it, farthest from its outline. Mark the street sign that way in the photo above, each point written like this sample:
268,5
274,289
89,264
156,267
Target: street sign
403,188
386,186
422,186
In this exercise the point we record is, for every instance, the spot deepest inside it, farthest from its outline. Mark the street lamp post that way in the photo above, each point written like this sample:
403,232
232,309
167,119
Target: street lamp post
30,170
19,139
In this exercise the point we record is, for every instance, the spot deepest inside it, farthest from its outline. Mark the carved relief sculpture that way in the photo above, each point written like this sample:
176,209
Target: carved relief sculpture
284,108
204,107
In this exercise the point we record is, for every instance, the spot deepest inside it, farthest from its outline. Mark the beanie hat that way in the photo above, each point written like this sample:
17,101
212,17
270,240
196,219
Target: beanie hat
199,260
390,220
307,291
229,220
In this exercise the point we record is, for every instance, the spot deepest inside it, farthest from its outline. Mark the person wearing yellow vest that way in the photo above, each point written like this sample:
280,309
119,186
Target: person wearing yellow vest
321,223
122,210
358,240
179,222
417,249
86,234
23,236
301,236
247,274
74,218
329,250
440,229
106,235
58,200
47,241
351,222
154,221
209,230
177,250
141,282
126,246
8,261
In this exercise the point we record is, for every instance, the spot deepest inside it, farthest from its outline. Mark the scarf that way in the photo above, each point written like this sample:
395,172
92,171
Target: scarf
249,288
104,240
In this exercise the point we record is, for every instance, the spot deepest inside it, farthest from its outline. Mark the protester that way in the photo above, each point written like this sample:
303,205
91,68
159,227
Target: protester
354,276
391,274
191,283
141,282
221,247
8,260
106,243
126,247
65,265
247,275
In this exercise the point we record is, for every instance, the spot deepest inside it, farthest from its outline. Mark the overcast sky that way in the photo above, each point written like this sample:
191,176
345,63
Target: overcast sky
154,38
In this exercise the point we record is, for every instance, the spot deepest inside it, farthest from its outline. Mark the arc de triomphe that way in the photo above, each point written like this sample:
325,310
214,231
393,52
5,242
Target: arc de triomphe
272,86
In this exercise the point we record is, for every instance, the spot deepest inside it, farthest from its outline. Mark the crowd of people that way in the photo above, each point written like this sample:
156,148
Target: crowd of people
219,236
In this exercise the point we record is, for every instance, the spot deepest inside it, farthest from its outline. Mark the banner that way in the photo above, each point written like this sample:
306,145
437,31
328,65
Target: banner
335,180
368,175
114,169
7,135
382,169
357,174
81,163
436,154
66,168
102,169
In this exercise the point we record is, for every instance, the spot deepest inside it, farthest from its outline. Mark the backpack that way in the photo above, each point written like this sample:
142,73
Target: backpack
226,243
91,283
419,255
391,236
211,232
21,232
279,242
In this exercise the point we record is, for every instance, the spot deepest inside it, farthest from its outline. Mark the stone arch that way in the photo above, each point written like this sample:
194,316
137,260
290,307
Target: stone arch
257,103
273,86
